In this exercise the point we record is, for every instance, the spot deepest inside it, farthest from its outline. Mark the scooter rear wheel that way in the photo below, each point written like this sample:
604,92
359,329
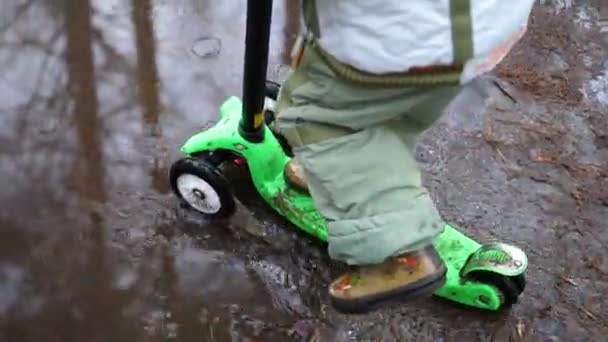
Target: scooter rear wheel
509,287
202,187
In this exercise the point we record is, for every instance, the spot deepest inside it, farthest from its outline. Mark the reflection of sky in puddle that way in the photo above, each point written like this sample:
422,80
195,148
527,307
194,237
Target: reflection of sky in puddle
190,89
212,274
11,281
16,296
47,139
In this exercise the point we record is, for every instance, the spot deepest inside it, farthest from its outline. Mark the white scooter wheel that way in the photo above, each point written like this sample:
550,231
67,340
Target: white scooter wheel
202,187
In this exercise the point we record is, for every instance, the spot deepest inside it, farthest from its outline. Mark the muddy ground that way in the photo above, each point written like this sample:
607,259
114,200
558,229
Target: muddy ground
97,96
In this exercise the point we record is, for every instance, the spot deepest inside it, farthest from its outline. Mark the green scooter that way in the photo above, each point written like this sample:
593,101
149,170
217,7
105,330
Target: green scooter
488,277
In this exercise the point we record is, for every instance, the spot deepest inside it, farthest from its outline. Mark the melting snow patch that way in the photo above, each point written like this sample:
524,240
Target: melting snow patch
559,5
583,18
598,87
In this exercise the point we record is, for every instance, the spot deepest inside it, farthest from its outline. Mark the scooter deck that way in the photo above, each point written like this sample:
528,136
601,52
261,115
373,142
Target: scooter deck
266,161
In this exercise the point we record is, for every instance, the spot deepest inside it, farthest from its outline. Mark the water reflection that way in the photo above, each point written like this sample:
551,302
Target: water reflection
95,98
148,83
147,75
90,167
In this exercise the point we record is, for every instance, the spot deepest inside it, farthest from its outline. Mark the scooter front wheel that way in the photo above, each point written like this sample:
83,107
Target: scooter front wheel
202,187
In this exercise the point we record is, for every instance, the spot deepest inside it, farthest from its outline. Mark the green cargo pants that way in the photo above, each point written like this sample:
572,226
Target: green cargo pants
356,146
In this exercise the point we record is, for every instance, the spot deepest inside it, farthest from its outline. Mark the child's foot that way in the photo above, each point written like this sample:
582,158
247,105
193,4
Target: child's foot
294,175
408,276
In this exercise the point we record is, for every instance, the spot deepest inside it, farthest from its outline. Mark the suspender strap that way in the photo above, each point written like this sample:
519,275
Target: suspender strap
309,11
462,30
462,44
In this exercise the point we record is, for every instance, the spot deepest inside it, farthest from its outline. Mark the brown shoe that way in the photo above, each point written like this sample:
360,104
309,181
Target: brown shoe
405,277
294,175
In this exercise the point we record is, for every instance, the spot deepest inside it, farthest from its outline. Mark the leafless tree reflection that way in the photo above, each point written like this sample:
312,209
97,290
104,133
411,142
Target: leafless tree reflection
148,83
82,88
98,304
147,74
81,264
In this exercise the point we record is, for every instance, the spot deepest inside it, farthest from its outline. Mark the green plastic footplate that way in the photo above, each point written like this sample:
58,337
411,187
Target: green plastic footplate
266,161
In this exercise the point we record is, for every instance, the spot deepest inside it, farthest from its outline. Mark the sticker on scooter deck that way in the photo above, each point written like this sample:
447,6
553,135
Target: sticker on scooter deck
499,258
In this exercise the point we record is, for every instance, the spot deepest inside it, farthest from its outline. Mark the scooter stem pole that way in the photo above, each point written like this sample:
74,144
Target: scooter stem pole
257,37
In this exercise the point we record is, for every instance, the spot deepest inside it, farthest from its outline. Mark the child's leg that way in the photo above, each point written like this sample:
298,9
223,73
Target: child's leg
367,185
356,147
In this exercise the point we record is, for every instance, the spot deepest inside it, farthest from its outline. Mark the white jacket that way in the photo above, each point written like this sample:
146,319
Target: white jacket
384,36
